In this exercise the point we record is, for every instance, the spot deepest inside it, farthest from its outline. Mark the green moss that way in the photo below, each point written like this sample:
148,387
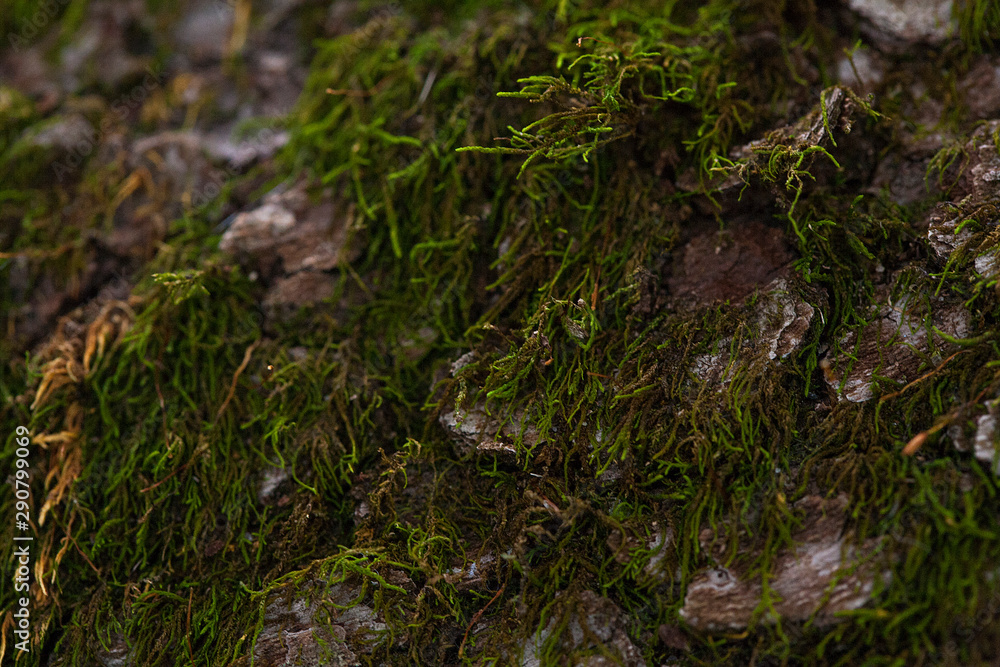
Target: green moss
545,258
978,23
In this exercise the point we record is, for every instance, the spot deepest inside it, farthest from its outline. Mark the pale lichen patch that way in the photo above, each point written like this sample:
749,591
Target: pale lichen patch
823,574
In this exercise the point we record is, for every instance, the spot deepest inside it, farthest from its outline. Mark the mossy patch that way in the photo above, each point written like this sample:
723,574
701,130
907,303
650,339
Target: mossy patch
660,262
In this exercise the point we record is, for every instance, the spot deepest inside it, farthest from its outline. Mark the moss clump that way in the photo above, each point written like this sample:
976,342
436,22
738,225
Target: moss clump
214,474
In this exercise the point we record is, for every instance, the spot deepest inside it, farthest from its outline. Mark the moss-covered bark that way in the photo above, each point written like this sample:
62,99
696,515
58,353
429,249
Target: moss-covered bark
558,333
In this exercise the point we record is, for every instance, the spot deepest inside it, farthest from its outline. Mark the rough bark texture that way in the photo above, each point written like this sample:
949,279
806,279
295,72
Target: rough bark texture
570,333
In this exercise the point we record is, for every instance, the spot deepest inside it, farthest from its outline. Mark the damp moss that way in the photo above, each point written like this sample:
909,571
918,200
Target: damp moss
523,181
